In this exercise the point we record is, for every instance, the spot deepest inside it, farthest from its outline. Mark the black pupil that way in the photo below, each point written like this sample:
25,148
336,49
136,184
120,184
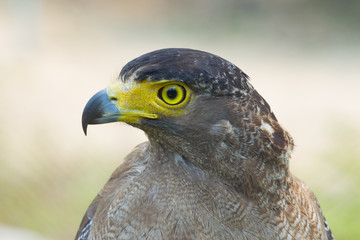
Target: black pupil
171,93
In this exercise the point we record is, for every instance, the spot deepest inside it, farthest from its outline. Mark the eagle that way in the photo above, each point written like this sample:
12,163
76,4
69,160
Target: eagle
216,163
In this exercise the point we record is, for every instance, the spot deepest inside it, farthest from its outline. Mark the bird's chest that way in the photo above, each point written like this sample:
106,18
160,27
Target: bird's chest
180,204
171,208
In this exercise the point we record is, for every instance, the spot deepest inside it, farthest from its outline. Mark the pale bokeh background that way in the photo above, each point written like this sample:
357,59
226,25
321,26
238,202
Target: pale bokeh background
303,57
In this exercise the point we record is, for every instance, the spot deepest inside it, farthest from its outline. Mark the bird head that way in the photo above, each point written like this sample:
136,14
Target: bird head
196,104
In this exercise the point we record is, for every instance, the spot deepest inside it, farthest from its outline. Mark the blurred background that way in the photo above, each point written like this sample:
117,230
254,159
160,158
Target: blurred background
303,56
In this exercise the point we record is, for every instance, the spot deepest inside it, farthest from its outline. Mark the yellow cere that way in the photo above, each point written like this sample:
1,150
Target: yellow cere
146,99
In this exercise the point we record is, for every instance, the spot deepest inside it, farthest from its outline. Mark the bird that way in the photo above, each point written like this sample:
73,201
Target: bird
216,163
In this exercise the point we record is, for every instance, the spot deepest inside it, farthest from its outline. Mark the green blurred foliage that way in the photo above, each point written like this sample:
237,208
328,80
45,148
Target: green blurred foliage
340,200
47,194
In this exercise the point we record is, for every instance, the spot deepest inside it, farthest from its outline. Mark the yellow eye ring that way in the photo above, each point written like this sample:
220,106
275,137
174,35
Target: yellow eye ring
172,94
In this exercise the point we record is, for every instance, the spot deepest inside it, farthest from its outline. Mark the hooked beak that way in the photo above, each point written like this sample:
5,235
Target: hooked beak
99,109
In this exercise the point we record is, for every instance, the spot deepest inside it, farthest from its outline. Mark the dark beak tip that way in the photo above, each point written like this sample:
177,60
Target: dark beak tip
84,127
85,121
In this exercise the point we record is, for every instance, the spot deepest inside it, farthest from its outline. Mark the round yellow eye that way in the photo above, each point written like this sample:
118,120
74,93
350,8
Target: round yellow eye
172,94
